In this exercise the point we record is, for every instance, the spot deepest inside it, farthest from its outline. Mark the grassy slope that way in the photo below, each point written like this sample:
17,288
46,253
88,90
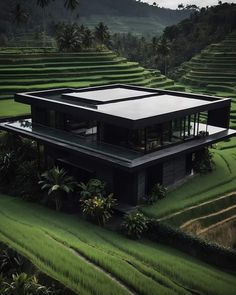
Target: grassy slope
46,237
201,187
8,107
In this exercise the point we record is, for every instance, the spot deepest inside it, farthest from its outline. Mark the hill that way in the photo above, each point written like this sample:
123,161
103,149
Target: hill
190,36
120,16
27,69
213,71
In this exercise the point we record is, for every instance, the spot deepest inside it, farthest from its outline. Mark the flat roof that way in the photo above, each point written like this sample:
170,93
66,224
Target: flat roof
150,106
107,95
123,105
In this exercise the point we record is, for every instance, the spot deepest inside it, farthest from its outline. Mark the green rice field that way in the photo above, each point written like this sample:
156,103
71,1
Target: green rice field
92,260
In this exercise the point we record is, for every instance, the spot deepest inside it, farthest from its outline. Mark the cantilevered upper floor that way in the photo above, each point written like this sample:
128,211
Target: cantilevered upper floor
125,125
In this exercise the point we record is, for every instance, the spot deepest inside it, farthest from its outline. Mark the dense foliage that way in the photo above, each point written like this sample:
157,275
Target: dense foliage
210,252
17,276
135,224
185,39
98,209
158,192
61,10
74,38
203,161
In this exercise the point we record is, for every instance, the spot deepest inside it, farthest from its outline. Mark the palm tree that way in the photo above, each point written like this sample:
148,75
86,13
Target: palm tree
19,15
69,39
43,4
88,38
163,50
58,184
102,33
71,5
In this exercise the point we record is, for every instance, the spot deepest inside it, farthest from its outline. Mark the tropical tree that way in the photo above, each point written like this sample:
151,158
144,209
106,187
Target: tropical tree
71,5
19,15
102,34
69,38
163,50
43,4
58,185
87,39
181,6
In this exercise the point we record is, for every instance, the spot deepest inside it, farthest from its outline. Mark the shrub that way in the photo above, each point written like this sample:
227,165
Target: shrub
94,187
203,161
135,224
10,262
8,164
24,284
98,209
9,141
158,192
58,185
26,183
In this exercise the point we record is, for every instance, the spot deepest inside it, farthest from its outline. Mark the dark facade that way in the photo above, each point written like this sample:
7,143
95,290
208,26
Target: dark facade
131,137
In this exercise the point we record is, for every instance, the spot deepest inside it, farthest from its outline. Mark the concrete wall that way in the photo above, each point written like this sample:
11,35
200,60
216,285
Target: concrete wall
174,170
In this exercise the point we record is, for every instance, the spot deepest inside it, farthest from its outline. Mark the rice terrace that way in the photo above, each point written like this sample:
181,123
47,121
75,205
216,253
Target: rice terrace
117,147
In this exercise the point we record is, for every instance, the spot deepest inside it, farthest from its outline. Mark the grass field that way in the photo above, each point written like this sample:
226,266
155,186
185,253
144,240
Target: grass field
92,260
8,107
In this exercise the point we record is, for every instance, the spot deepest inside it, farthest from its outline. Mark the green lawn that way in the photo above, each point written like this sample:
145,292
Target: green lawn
92,260
8,107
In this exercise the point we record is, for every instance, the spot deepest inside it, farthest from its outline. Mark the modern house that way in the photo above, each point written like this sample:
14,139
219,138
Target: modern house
130,137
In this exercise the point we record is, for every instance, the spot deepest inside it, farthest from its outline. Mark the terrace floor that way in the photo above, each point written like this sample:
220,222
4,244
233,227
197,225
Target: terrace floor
119,156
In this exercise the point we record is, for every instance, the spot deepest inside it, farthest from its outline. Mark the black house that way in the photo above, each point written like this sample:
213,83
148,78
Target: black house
130,137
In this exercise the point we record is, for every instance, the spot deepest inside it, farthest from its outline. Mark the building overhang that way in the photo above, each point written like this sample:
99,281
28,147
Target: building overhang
116,156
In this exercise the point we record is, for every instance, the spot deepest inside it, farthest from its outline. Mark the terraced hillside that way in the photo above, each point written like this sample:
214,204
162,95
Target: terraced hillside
213,220
93,260
214,67
27,70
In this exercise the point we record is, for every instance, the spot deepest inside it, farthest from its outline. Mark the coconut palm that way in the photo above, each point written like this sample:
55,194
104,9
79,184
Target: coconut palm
43,4
69,39
102,33
58,184
88,38
71,5
163,50
19,15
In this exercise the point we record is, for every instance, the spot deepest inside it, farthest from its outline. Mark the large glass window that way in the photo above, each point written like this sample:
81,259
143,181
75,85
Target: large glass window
153,137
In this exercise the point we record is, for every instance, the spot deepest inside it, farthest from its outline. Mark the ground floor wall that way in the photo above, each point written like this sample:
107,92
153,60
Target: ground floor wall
128,187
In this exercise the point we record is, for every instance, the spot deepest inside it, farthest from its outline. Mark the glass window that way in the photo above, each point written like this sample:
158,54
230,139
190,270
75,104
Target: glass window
176,130
153,137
